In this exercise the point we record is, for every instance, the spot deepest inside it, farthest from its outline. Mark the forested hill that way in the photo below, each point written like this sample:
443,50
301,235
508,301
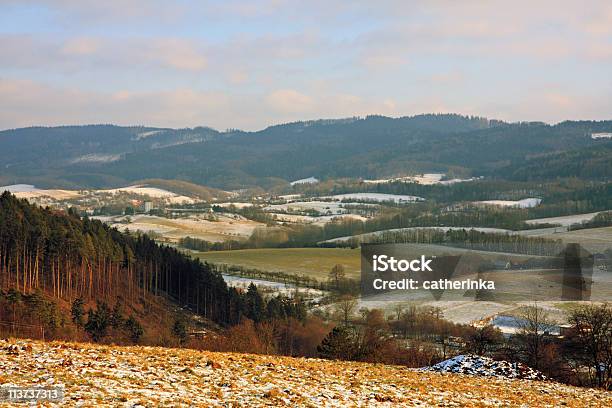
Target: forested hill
592,162
65,257
371,147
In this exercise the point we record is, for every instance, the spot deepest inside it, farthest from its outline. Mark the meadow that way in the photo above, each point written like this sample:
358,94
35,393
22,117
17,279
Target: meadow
314,262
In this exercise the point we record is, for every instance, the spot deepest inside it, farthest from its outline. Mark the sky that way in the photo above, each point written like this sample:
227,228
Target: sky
251,64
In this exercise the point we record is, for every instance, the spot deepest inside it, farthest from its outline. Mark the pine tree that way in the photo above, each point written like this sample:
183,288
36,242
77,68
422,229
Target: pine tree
179,329
116,319
134,329
339,344
78,312
255,304
98,322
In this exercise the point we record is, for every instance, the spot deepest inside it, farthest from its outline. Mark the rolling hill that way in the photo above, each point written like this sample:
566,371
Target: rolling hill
371,147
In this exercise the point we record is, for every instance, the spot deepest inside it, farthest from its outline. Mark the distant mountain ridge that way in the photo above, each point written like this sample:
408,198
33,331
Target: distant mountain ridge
370,147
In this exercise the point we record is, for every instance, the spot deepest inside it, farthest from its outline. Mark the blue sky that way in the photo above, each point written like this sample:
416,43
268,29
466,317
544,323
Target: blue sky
249,64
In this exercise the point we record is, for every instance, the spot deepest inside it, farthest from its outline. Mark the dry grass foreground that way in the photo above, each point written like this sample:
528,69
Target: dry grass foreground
96,375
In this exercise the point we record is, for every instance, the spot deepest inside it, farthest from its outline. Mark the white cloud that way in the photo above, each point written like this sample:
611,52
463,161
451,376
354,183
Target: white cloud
176,54
290,101
248,64
23,100
80,46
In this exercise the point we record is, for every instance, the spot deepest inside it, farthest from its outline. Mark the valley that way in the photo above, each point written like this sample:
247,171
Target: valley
254,262
303,204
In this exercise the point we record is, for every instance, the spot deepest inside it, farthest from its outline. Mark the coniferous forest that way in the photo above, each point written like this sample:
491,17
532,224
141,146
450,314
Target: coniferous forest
69,258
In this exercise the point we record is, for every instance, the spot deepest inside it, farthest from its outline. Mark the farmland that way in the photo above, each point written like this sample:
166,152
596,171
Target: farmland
565,220
592,238
313,262
217,228
98,375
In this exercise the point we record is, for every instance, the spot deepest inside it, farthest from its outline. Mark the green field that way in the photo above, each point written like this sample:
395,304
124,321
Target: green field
313,262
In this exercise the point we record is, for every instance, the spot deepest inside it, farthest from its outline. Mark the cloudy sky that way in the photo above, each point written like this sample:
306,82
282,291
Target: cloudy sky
249,64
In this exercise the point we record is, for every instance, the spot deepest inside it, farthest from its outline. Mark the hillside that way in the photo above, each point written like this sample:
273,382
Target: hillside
593,162
187,189
58,255
104,156
113,376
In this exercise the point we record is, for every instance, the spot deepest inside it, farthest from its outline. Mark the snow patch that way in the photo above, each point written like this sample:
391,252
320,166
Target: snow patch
309,180
96,158
18,188
565,220
424,179
524,203
484,366
152,192
144,135
377,197
28,192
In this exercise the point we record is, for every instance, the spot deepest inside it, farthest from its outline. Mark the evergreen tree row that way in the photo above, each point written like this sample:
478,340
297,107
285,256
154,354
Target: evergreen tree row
71,258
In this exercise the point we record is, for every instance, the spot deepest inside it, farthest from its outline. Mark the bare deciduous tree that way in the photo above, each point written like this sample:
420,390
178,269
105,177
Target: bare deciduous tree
534,325
337,275
345,308
592,326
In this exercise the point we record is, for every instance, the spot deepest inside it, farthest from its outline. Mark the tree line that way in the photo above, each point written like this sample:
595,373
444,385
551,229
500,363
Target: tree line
420,336
65,257
462,238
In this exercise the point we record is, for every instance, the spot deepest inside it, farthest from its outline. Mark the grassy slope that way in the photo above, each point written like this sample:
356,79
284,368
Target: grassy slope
587,236
314,262
317,262
103,376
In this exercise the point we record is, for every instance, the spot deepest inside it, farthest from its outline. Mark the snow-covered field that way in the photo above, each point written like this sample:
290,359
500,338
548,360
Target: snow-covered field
424,179
28,191
306,219
456,311
309,180
366,236
524,203
224,226
290,197
19,188
565,221
467,312
153,193
143,135
112,376
275,288
97,158
323,207
376,197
